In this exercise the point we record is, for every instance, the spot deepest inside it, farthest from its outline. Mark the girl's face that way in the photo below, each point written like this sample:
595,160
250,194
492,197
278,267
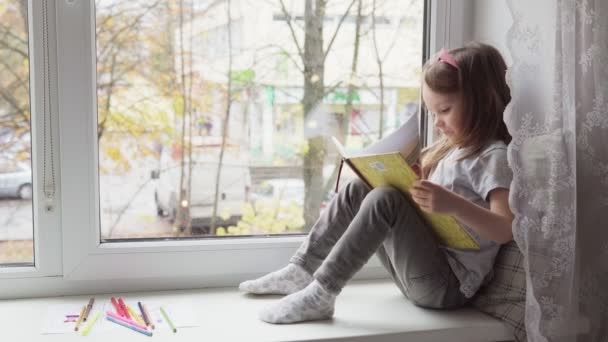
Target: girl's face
447,112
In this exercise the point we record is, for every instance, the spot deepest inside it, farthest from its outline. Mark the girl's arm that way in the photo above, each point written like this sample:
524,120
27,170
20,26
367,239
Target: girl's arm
493,224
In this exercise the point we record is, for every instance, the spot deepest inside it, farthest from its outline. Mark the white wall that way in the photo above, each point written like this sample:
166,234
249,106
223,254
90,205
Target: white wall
534,48
492,20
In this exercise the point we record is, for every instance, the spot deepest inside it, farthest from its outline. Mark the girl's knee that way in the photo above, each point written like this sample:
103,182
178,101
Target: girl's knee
426,304
353,192
356,188
388,190
436,305
441,298
358,184
386,193
430,301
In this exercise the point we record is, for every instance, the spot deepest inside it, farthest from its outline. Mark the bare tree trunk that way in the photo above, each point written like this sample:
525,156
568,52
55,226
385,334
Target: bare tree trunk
226,120
101,127
189,108
313,59
348,108
380,74
182,215
117,65
171,47
313,96
170,69
23,12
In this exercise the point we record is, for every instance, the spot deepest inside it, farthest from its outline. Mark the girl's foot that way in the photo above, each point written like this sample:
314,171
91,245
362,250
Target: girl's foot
291,278
310,304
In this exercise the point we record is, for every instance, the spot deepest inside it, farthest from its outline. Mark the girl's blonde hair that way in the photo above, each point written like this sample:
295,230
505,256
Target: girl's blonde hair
480,81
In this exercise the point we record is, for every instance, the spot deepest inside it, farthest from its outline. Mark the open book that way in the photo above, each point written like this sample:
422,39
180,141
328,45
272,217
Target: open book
387,162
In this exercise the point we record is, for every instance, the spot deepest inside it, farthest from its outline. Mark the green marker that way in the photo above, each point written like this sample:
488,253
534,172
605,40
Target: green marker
168,319
90,324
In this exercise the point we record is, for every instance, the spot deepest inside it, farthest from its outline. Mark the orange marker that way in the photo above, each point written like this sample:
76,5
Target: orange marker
80,317
89,308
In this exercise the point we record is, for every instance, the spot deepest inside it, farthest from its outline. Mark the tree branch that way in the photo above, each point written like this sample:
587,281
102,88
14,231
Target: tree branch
332,88
395,35
13,102
291,29
128,26
290,57
17,77
9,32
331,42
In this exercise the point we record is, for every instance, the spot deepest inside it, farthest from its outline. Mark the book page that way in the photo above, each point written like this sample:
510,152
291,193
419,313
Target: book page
404,140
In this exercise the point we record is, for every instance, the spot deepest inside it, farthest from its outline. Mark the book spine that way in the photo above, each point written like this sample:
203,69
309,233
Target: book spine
339,173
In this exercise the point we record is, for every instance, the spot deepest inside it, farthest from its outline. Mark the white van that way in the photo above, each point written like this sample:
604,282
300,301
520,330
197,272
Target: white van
235,184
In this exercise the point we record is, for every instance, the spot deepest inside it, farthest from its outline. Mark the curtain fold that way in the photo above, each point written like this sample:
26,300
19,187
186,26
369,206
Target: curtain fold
558,118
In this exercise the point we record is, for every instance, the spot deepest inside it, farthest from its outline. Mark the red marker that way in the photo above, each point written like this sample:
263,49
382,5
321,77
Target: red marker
116,306
123,307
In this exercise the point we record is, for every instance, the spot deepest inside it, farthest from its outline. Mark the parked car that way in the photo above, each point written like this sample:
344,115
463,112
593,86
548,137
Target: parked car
234,188
16,181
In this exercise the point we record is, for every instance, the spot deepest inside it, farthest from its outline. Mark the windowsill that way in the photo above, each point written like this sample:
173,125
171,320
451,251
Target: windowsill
365,311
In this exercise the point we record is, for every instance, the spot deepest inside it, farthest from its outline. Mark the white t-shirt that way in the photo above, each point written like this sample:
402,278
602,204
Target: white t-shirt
473,178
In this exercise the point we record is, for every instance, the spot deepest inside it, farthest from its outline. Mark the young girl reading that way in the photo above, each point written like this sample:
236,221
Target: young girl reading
465,174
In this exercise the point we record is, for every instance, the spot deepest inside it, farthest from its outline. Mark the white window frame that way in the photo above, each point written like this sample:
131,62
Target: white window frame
79,263
46,224
454,26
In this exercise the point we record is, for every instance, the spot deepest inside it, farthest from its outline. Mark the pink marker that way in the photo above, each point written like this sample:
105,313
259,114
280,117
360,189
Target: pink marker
125,320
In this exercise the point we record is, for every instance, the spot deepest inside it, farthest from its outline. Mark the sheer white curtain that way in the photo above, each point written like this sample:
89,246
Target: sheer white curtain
559,121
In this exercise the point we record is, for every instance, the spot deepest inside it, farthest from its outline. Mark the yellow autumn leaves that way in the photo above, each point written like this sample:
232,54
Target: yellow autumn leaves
267,217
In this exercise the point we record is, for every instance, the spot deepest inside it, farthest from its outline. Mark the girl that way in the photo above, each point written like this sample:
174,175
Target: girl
468,177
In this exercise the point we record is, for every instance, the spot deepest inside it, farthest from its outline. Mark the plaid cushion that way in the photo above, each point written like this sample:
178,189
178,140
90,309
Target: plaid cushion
504,297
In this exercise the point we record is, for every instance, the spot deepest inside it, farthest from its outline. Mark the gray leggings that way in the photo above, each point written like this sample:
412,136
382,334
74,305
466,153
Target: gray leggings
360,222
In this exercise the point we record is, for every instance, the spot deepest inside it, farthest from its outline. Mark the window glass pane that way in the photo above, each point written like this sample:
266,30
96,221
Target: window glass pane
16,219
208,124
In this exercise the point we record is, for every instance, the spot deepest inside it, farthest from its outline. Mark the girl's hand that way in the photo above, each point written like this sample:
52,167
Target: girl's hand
434,198
417,169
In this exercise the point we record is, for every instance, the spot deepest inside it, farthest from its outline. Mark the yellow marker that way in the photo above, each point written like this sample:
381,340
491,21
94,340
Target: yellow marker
135,316
80,317
90,323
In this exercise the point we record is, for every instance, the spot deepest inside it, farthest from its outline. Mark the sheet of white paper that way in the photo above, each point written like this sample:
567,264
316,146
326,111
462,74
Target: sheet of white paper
181,313
58,321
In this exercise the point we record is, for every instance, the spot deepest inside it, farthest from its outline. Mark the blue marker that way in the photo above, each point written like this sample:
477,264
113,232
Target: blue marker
145,332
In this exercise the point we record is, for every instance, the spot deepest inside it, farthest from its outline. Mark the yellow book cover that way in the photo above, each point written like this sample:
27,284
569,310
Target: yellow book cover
378,168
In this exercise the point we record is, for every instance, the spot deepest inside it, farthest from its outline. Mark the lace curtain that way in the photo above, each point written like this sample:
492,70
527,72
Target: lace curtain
559,121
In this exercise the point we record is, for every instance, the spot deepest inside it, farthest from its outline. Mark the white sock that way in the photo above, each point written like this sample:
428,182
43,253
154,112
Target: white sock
289,279
311,303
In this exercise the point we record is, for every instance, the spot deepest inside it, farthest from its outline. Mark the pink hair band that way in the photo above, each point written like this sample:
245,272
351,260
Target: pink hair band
444,56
